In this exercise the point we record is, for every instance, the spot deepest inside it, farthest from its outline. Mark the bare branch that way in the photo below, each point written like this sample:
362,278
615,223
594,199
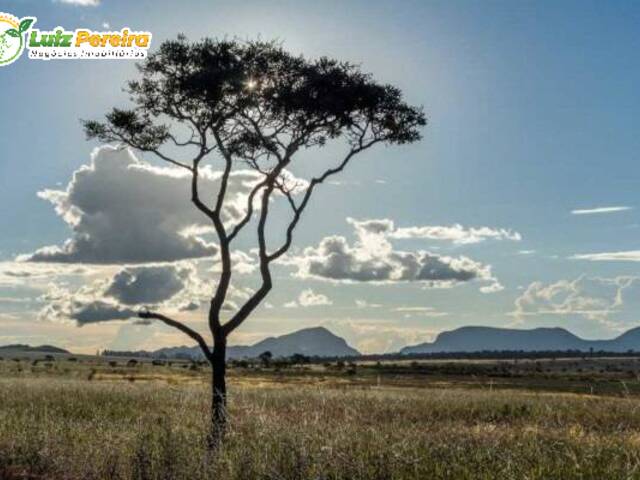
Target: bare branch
147,315
249,213
297,210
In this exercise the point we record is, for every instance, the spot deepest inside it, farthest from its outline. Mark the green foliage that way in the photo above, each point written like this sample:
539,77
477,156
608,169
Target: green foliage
254,95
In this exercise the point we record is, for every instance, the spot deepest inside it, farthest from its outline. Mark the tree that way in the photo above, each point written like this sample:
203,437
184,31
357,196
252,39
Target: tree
250,105
299,359
265,358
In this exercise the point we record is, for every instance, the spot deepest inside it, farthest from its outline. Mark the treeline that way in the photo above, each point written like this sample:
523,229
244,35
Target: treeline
145,354
497,355
480,355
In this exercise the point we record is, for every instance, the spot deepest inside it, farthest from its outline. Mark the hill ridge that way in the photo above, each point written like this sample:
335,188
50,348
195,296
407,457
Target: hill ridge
475,338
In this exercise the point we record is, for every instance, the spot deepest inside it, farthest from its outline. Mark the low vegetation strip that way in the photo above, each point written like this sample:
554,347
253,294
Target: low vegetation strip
71,428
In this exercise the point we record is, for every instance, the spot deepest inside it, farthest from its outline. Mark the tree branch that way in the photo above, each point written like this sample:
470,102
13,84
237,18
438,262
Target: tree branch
147,315
297,210
265,271
131,143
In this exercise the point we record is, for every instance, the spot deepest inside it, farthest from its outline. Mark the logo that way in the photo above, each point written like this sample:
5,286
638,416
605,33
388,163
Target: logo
12,37
82,43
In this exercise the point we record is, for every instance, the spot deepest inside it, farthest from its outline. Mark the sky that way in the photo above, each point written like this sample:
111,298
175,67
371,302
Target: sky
522,197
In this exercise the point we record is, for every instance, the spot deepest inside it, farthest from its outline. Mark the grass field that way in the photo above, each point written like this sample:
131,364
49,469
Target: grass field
89,420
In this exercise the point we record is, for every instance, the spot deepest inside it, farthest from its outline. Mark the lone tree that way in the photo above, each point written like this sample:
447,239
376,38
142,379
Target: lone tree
250,105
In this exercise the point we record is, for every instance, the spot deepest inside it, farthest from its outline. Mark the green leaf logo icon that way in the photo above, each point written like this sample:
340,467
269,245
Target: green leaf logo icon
12,37
25,24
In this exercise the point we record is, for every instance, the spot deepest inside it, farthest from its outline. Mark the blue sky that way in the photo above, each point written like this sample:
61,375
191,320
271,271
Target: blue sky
532,109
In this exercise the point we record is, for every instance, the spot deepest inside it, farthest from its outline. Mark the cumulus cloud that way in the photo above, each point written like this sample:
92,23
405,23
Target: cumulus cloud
83,306
308,298
591,211
373,259
121,296
623,256
147,285
123,210
593,298
99,311
171,288
126,211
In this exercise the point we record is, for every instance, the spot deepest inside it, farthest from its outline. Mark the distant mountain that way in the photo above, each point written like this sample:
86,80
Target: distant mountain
28,348
312,342
477,339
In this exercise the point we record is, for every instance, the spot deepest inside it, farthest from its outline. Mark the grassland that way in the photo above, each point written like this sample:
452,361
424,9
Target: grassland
573,419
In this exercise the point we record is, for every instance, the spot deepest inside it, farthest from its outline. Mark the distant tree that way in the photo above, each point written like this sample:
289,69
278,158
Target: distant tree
265,358
251,105
299,359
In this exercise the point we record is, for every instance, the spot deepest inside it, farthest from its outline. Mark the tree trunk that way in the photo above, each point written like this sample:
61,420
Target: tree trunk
218,394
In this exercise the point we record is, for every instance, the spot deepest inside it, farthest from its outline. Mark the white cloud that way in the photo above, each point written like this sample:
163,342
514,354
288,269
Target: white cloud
308,298
414,309
420,311
365,304
373,259
80,3
624,256
456,233
380,336
591,211
492,288
125,211
36,274
593,298
242,263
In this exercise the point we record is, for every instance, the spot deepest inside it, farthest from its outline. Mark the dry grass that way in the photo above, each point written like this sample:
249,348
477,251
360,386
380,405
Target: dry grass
72,428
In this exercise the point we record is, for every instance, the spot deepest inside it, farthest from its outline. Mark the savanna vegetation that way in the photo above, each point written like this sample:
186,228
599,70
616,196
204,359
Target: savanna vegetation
96,418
